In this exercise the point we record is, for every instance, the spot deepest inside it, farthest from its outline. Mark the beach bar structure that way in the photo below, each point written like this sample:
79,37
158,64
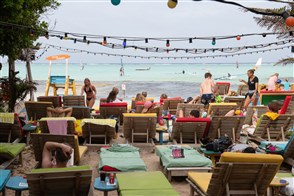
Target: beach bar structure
57,82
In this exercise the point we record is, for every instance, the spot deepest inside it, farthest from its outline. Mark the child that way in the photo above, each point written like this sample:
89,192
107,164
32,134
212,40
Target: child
206,89
281,87
286,85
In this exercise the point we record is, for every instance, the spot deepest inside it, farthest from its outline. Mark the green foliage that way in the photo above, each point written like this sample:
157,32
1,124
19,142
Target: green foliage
285,61
25,13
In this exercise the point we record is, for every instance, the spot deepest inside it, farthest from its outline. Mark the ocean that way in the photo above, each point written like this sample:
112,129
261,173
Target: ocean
173,79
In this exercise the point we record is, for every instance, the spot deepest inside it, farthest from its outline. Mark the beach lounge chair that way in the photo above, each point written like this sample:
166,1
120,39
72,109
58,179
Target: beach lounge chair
39,141
221,109
189,130
98,128
273,130
193,161
80,112
239,100
9,152
4,177
237,174
242,89
222,87
74,100
171,104
55,100
43,124
226,125
7,122
139,127
60,181
108,110
120,158
144,184
268,96
187,108
250,111
36,109
133,104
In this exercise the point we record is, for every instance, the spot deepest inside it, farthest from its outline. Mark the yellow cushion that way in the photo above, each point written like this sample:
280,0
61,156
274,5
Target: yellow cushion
82,150
78,127
58,118
201,179
139,115
147,98
250,158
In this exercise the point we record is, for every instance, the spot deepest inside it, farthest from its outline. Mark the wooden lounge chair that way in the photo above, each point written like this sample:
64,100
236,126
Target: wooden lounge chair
289,152
221,109
187,108
133,104
189,130
242,89
139,127
55,100
80,112
157,109
60,181
273,130
250,111
288,105
73,100
237,174
113,110
222,87
226,125
171,104
239,100
39,141
9,153
70,124
37,110
290,108
99,128
193,161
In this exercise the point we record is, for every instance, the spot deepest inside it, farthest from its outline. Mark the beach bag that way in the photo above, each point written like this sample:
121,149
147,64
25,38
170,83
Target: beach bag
219,145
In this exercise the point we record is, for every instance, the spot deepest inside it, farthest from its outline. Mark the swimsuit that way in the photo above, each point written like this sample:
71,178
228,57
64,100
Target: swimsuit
89,91
207,98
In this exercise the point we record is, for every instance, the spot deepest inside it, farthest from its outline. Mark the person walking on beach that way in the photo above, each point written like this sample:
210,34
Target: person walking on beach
252,95
207,89
90,91
272,81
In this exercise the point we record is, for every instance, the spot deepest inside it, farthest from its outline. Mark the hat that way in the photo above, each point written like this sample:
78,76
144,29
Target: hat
147,105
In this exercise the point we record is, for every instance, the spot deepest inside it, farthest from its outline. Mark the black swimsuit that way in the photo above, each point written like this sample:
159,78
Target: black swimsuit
89,91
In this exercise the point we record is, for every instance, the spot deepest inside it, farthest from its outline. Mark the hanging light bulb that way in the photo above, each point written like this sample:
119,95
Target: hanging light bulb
115,2
263,35
32,32
190,40
213,41
88,42
75,40
47,35
167,43
172,3
104,41
65,35
290,21
84,39
124,43
238,37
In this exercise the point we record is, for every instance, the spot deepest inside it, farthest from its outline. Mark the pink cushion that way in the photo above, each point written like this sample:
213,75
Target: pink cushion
207,120
227,83
286,104
140,103
174,98
111,105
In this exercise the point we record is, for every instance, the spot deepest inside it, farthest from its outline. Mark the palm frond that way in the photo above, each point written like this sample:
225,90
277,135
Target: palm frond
285,61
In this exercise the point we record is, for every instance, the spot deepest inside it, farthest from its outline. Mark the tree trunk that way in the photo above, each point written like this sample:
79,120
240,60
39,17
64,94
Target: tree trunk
30,78
12,87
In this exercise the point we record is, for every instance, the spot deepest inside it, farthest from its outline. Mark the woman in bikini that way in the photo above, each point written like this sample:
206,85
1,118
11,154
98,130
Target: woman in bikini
90,91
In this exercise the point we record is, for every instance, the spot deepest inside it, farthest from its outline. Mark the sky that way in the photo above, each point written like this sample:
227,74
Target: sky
152,18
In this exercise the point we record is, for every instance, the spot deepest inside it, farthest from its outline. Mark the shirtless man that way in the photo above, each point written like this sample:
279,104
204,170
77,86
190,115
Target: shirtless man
61,155
59,112
207,89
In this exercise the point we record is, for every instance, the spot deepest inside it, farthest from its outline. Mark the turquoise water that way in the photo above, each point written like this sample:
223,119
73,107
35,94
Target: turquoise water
158,72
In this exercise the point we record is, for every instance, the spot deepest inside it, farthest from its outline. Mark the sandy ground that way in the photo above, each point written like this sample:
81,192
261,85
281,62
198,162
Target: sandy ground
91,158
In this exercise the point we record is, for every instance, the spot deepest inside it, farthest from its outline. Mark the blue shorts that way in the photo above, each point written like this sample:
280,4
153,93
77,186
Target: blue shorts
207,98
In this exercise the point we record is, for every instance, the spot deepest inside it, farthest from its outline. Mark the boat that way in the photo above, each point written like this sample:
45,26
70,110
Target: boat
143,69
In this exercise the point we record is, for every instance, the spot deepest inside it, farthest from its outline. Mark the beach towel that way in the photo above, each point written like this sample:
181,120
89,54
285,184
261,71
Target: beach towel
7,118
272,115
108,122
58,127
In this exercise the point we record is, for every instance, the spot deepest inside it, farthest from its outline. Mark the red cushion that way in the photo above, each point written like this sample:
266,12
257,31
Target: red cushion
140,103
207,120
277,92
108,168
175,98
285,105
228,83
110,105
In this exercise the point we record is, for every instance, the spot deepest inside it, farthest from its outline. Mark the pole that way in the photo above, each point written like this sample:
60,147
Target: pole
29,72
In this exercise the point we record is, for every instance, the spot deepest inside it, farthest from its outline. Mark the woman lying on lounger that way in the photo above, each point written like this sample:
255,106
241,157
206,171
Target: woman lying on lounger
60,156
59,112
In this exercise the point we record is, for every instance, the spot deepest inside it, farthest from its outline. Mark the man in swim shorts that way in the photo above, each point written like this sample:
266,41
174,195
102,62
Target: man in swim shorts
207,89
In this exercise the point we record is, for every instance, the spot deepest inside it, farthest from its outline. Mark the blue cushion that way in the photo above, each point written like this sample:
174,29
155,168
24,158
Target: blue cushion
4,176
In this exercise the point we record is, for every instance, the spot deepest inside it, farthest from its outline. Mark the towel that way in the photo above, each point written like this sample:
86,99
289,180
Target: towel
108,122
58,127
272,115
7,118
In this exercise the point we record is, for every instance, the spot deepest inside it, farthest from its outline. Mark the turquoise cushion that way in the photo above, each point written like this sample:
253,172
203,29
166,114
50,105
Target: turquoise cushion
4,177
11,149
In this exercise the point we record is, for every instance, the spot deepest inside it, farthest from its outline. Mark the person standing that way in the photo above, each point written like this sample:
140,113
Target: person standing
90,91
252,95
272,81
207,89
286,85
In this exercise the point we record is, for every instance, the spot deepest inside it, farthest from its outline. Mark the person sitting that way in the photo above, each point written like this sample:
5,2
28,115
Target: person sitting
194,100
56,155
207,89
59,112
234,113
150,107
272,81
163,97
244,148
112,97
281,87
144,93
193,114
140,98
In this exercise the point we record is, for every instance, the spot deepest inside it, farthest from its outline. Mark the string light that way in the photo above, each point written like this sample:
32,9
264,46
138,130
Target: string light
213,41
47,35
238,37
190,40
125,43
75,40
84,39
167,43
115,2
146,40
172,3
104,41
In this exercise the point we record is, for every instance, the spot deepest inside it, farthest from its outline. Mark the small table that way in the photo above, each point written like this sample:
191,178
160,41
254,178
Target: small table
18,184
276,184
105,186
161,130
211,154
28,128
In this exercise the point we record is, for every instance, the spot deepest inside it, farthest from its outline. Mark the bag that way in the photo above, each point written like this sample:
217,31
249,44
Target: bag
219,145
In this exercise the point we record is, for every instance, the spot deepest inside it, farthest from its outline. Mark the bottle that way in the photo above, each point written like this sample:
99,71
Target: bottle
111,178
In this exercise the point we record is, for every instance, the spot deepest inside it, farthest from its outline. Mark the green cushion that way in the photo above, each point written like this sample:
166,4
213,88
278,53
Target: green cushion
169,192
142,181
11,149
74,168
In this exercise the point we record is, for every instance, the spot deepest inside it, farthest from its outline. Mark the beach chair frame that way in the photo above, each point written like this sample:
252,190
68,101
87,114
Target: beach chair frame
184,128
55,100
44,126
91,130
250,111
289,153
187,108
235,99
37,109
74,100
117,112
11,159
242,89
222,87
219,109
171,105
80,112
